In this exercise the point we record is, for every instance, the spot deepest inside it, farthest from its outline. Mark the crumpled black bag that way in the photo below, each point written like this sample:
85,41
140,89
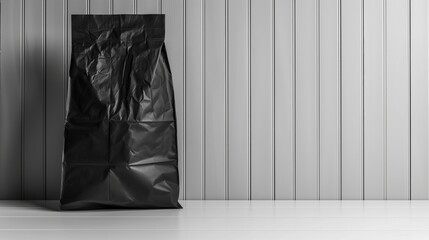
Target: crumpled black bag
120,144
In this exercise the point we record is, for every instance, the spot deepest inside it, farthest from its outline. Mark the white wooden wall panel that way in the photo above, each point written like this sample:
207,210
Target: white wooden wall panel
55,83
279,99
123,7
154,6
330,104
195,84
375,99
261,69
398,99
99,7
352,98
215,98
307,99
238,75
284,52
419,99
34,101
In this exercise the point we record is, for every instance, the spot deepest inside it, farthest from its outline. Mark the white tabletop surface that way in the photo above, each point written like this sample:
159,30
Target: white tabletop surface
221,220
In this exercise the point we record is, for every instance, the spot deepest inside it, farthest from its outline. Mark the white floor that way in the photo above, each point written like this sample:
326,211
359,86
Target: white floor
221,220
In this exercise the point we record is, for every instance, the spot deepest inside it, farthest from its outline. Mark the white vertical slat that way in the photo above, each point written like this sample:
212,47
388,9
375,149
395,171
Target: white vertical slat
238,90
330,93
99,6
151,6
375,100
54,95
194,100
284,99
307,101
174,40
123,6
10,100
214,30
398,99
34,159
352,98
262,155
419,99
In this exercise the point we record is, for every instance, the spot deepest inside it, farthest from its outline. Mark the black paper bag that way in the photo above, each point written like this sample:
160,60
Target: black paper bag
120,145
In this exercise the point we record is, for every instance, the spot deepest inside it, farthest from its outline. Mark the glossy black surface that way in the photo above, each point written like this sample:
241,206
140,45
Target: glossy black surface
120,145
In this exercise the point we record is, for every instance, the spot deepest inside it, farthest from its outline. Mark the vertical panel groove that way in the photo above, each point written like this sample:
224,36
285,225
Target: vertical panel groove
339,106
362,99
135,6
249,95
427,21
294,94
87,10
184,103
22,93
203,98
409,82
110,6
384,72
318,95
226,99
44,93
273,102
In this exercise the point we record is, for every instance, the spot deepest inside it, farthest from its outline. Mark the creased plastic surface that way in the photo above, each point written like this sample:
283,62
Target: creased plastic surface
120,145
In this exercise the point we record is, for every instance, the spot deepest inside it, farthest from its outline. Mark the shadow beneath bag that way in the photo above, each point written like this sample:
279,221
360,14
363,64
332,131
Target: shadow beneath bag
54,205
